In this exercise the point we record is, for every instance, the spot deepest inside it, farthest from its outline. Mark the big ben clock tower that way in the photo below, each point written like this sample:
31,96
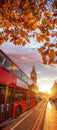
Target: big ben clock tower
33,74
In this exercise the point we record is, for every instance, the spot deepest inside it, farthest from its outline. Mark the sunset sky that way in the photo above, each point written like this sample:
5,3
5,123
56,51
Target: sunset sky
26,57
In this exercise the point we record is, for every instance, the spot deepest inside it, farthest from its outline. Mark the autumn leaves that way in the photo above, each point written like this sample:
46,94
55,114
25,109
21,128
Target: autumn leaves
19,20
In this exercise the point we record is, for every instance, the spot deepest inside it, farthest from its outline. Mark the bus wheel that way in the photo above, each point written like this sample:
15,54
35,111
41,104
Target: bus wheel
18,111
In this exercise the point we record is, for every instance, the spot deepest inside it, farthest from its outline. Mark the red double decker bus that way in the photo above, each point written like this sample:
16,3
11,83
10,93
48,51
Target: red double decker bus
15,95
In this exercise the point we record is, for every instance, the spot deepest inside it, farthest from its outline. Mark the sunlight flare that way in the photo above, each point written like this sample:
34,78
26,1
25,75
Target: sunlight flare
45,87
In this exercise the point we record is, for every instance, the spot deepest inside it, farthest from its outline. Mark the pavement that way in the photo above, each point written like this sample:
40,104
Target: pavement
50,122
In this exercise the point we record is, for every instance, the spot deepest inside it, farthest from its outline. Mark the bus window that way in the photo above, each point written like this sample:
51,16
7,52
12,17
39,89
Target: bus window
24,77
10,95
19,95
2,95
16,71
28,95
9,102
21,83
8,65
32,96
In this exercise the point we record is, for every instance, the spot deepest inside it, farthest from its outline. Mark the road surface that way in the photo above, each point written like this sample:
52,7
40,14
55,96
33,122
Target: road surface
30,120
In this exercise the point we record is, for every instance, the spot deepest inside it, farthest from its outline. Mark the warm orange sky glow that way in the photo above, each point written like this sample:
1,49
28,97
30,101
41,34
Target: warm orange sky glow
45,86
46,89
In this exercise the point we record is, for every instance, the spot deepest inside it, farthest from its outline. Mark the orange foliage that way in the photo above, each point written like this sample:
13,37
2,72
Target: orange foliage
27,39
56,45
41,27
35,25
47,39
40,38
23,33
1,16
24,16
26,5
56,21
1,41
23,43
44,21
30,15
47,44
56,53
1,25
54,4
51,54
0,35
18,41
48,14
20,18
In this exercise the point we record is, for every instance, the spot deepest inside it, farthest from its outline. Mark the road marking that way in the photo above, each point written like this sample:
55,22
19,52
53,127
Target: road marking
38,119
20,121
41,119
23,114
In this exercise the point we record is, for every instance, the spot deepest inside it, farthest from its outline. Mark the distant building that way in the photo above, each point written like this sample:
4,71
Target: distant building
54,89
33,76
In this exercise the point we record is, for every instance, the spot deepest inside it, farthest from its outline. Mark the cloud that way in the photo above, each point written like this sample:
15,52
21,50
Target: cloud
22,54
